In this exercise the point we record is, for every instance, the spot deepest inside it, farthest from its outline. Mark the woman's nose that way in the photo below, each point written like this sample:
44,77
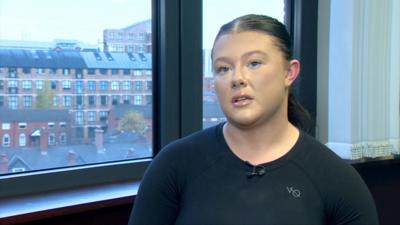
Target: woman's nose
238,80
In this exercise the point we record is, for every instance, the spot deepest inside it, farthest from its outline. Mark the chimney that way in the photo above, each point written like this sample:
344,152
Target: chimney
3,163
130,154
99,140
44,141
72,157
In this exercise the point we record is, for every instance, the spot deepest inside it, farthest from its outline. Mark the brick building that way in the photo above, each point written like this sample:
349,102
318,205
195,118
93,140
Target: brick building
135,38
34,128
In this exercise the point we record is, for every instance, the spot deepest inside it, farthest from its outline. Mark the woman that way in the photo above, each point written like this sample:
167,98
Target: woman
258,167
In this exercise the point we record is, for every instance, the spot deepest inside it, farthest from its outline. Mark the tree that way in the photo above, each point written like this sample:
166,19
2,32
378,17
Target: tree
132,121
44,98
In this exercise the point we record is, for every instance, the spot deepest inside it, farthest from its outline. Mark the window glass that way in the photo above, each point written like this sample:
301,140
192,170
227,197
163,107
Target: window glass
56,91
213,19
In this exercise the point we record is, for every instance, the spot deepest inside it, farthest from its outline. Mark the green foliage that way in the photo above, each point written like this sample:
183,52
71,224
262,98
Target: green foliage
44,98
132,121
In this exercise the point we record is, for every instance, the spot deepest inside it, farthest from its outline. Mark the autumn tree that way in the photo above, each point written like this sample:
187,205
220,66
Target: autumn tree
44,98
133,121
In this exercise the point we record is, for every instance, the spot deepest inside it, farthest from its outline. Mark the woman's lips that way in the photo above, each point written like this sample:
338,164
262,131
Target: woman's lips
241,100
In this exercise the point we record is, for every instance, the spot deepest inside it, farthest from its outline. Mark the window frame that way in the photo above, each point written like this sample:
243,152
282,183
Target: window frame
177,83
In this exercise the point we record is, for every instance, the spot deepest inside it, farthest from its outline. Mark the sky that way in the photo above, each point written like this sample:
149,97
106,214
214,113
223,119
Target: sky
85,20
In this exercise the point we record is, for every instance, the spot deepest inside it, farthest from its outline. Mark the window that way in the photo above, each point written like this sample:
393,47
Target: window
39,84
126,99
126,85
21,125
114,71
63,138
91,71
103,115
27,101
12,83
55,101
26,70
5,126
66,72
137,99
6,140
66,84
52,139
79,117
27,84
91,116
114,99
22,140
138,85
13,102
103,85
67,100
79,100
92,100
137,73
103,99
114,85
40,71
103,71
50,125
91,85
79,86
53,84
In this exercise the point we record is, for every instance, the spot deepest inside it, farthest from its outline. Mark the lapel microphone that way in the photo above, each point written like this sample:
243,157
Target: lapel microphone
257,170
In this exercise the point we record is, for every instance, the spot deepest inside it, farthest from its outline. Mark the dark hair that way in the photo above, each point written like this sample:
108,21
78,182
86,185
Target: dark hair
297,114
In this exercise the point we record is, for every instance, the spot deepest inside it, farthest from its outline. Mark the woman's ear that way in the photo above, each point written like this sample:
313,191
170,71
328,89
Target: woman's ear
293,71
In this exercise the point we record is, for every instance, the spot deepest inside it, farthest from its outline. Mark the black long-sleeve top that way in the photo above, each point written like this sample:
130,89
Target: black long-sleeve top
199,180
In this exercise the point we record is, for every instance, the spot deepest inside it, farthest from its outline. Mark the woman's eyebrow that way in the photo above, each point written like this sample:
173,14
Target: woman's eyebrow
262,53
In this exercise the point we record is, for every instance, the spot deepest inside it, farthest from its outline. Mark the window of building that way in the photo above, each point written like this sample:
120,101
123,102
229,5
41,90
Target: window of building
127,72
91,116
126,99
137,73
27,101
91,85
114,99
50,124
92,100
79,100
27,84
63,124
6,140
79,117
66,84
53,84
104,71
138,85
103,99
79,86
13,102
137,100
52,139
114,85
67,101
126,85
1,84
5,126
63,138
103,85
114,71
66,72
103,115
39,84
12,83
22,140
55,101
40,71
22,125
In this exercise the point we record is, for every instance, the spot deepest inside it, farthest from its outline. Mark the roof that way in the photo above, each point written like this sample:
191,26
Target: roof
41,58
59,156
117,60
120,110
74,59
34,115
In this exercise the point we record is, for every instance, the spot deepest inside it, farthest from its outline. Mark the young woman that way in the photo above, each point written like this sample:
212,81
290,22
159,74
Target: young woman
259,167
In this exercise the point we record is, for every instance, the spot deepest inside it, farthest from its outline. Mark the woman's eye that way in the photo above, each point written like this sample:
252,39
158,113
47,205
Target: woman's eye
254,64
222,70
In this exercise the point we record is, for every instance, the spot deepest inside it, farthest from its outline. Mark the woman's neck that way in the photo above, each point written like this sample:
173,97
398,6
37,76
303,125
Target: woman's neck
263,143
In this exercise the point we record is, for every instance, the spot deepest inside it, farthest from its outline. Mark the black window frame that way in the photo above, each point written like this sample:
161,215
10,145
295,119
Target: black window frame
177,80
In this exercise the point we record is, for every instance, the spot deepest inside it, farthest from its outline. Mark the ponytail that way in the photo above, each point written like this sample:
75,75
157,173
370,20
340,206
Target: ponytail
298,115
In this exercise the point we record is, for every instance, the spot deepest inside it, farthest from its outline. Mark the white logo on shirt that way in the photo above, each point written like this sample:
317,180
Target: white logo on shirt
294,192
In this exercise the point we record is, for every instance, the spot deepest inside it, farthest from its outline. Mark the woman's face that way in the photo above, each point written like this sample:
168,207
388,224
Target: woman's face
252,78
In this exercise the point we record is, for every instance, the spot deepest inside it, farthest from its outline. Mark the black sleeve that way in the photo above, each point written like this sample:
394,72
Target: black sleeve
157,201
353,202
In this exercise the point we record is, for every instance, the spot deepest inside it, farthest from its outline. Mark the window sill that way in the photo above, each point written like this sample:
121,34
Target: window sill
28,208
